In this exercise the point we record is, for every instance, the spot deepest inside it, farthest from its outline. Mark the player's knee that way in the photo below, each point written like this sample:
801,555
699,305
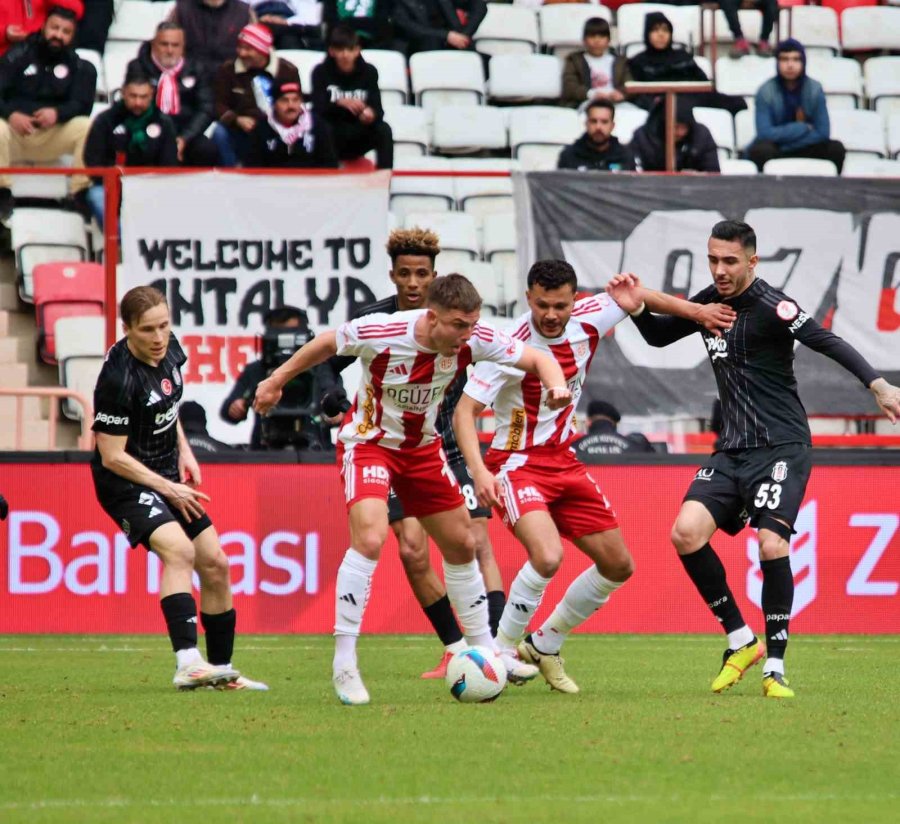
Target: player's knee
685,537
772,547
621,569
178,555
213,570
547,561
414,557
369,542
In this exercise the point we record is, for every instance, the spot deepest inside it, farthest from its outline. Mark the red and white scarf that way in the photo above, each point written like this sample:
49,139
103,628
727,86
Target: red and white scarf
291,134
168,100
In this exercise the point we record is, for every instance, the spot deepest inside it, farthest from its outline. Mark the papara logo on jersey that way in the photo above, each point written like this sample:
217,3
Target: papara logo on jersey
164,420
111,420
413,398
717,348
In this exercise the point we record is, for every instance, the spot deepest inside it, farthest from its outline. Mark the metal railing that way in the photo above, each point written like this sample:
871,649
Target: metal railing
85,439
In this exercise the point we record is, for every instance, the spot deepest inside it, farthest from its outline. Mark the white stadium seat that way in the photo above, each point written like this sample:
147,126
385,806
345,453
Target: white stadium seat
411,128
507,30
800,167
47,187
859,130
96,60
720,124
468,129
392,77
487,281
44,236
418,194
562,24
751,26
841,79
483,195
743,77
628,121
734,166
136,20
816,27
458,232
870,27
883,83
80,348
745,127
522,77
115,60
440,78
870,166
893,134
543,126
500,251
305,60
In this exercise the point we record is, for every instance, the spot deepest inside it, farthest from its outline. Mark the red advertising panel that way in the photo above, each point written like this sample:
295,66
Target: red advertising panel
65,567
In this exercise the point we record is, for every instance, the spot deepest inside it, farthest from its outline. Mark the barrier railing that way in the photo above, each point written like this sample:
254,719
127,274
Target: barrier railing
85,439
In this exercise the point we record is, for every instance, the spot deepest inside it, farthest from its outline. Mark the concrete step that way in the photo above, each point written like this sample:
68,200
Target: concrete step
9,349
32,409
17,323
13,375
35,435
9,296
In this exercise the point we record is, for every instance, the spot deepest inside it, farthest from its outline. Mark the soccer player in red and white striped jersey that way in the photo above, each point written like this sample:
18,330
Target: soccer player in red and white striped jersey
531,474
388,439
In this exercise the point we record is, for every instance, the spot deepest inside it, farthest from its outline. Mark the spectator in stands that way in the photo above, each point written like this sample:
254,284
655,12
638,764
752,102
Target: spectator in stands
597,149
243,91
211,29
295,24
593,73
695,149
791,113
292,136
345,93
21,18
370,19
661,62
741,47
132,132
193,421
182,91
93,30
46,97
428,25
603,436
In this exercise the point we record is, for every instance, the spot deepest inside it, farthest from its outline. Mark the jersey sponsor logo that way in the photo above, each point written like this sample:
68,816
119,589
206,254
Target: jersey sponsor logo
801,319
787,310
716,347
164,420
166,385
529,495
153,398
516,429
111,420
417,399
704,474
779,471
379,474
368,409
507,342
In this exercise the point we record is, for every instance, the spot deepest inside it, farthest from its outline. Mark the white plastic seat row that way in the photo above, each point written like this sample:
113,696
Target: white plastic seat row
44,236
80,348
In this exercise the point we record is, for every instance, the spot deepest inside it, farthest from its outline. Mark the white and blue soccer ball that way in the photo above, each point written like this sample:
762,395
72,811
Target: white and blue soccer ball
476,675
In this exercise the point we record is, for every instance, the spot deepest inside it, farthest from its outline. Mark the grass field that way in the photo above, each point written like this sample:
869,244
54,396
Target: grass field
92,731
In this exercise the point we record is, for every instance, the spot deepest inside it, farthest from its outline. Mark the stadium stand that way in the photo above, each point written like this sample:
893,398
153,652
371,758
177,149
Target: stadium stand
800,167
392,78
483,195
841,79
882,82
80,348
870,27
521,78
507,30
44,236
446,77
64,290
422,194
861,131
562,24
136,20
737,166
458,233
411,129
468,129
720,124
816,27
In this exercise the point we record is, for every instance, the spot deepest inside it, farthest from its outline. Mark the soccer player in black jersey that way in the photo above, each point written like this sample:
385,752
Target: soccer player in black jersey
147,480
762,465
412,253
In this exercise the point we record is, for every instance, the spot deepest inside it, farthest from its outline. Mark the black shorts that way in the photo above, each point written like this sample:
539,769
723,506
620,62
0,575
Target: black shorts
464,479
753,485
139,511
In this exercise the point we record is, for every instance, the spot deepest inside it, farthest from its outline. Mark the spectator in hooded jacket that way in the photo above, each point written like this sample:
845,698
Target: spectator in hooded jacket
46,97
593,73
243,91
427,25
182,92
211,29
345,92
791,113
695,149
661,62
131,132
597,149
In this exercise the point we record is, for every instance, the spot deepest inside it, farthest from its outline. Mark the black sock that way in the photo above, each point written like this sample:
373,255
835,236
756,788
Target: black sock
219,631
180,611
706,571
440,613
777,602
496,603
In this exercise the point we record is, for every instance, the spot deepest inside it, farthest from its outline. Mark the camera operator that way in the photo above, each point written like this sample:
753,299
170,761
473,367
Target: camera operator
295,421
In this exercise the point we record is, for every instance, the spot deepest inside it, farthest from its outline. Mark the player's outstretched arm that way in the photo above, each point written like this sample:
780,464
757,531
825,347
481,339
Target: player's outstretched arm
487,487
626,290
186,500
711,316
317,351
550,373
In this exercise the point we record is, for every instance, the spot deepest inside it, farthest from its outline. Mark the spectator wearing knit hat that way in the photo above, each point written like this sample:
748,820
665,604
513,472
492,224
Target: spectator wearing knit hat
291,136
211,29
243,91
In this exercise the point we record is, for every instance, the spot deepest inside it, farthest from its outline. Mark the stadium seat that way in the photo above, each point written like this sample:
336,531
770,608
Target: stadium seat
64,290
488,283
136,20
525,77
45,187
841,79
115,60
735,166
562,25
745,127
411,129
816,27
893,134
871,27
546,128
628,121
80,348
859,130
305,60
800,167
500,251
630,26
751,26
422,194
392,77
507,30
720,124
870,166
441,78
883,83
468,129
480,196
458,233
96,60
44,236
743,77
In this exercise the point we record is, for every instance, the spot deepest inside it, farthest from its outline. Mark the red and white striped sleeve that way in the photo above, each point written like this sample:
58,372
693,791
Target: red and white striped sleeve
600,311
366,335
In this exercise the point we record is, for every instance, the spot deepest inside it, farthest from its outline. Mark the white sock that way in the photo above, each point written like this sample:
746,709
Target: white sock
351,593
186,657
457,646
525,596
774,665
585,595
465,589
740,637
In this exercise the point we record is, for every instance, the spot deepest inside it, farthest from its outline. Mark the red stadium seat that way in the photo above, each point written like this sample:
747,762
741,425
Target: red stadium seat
64,290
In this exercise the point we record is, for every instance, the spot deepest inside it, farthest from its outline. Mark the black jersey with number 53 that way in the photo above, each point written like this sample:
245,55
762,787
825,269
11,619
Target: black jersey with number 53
141,401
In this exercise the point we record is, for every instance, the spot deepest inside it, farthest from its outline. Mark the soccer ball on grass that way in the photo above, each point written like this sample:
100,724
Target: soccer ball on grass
476,675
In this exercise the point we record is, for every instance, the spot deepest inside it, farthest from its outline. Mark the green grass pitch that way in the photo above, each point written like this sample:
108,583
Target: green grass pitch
91,730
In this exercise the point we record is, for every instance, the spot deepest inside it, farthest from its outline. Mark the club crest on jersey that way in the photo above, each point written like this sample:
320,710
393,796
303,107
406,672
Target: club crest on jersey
166,386
446,364
581,350
787,310
779,472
